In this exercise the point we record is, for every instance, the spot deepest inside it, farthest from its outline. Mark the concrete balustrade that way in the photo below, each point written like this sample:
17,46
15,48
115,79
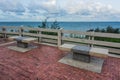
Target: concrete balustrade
60,39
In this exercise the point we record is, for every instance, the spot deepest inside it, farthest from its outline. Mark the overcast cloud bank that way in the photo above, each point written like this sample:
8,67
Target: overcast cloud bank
62,10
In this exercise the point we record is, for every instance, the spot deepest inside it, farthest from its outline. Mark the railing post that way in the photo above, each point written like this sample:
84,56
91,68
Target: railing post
39,39
20,32
92,38
89,38
59,37
4,32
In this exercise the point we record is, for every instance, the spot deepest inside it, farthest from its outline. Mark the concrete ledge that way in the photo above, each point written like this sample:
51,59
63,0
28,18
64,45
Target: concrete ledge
97,52
29,39
13,37
66,47
114,55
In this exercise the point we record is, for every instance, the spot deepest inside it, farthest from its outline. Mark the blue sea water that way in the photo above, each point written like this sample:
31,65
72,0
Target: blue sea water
80,26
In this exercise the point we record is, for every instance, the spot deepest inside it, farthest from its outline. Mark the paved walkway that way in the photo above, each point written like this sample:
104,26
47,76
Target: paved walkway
42,64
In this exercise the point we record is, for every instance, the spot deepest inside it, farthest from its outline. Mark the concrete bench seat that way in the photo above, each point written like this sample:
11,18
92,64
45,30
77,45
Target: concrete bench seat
22,41
81,53
97,52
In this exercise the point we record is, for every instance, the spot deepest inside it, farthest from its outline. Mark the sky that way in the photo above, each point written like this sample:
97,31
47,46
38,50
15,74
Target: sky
60,10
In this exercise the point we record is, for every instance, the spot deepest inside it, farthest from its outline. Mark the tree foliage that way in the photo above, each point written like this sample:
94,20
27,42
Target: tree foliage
44,24
108,29
55,25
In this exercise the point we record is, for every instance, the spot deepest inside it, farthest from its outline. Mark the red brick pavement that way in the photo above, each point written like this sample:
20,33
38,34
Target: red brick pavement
3,40
42,64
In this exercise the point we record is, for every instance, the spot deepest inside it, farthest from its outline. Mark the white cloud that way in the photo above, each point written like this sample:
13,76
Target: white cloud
91,10
61,9
43,5
10,6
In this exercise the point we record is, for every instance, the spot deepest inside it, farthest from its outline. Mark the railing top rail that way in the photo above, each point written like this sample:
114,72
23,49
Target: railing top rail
40,29
77,32
109,35
49,30
97,34
29,28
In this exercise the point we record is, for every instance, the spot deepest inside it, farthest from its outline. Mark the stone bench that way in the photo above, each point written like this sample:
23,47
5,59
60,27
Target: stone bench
22,41
81,53
97,52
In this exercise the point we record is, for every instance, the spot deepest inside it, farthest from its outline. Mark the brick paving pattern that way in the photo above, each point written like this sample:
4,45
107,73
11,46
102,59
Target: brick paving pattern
3,40
42,64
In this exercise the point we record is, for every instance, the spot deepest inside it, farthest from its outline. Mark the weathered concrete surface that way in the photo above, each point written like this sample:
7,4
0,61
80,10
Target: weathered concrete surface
95,64
99,52
67,47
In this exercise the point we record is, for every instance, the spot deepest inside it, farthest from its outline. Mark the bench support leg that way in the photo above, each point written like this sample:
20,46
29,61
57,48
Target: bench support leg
22,44
81,57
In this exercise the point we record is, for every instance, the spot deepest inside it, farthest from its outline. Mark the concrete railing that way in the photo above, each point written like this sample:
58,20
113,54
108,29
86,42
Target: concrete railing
63,36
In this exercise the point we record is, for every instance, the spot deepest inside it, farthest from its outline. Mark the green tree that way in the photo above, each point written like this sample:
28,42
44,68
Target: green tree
55,25
117,30
102,30
97,30
44,24
90,30
109,29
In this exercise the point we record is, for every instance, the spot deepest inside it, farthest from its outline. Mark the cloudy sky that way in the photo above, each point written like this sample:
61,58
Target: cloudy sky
62,10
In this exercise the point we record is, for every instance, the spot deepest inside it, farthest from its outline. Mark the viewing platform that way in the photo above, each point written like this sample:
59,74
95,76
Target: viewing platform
44,62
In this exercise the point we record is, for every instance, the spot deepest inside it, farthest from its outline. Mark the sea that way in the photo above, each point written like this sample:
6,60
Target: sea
79,26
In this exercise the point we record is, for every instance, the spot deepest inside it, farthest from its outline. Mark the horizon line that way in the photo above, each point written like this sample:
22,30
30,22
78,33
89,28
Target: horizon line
60,21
